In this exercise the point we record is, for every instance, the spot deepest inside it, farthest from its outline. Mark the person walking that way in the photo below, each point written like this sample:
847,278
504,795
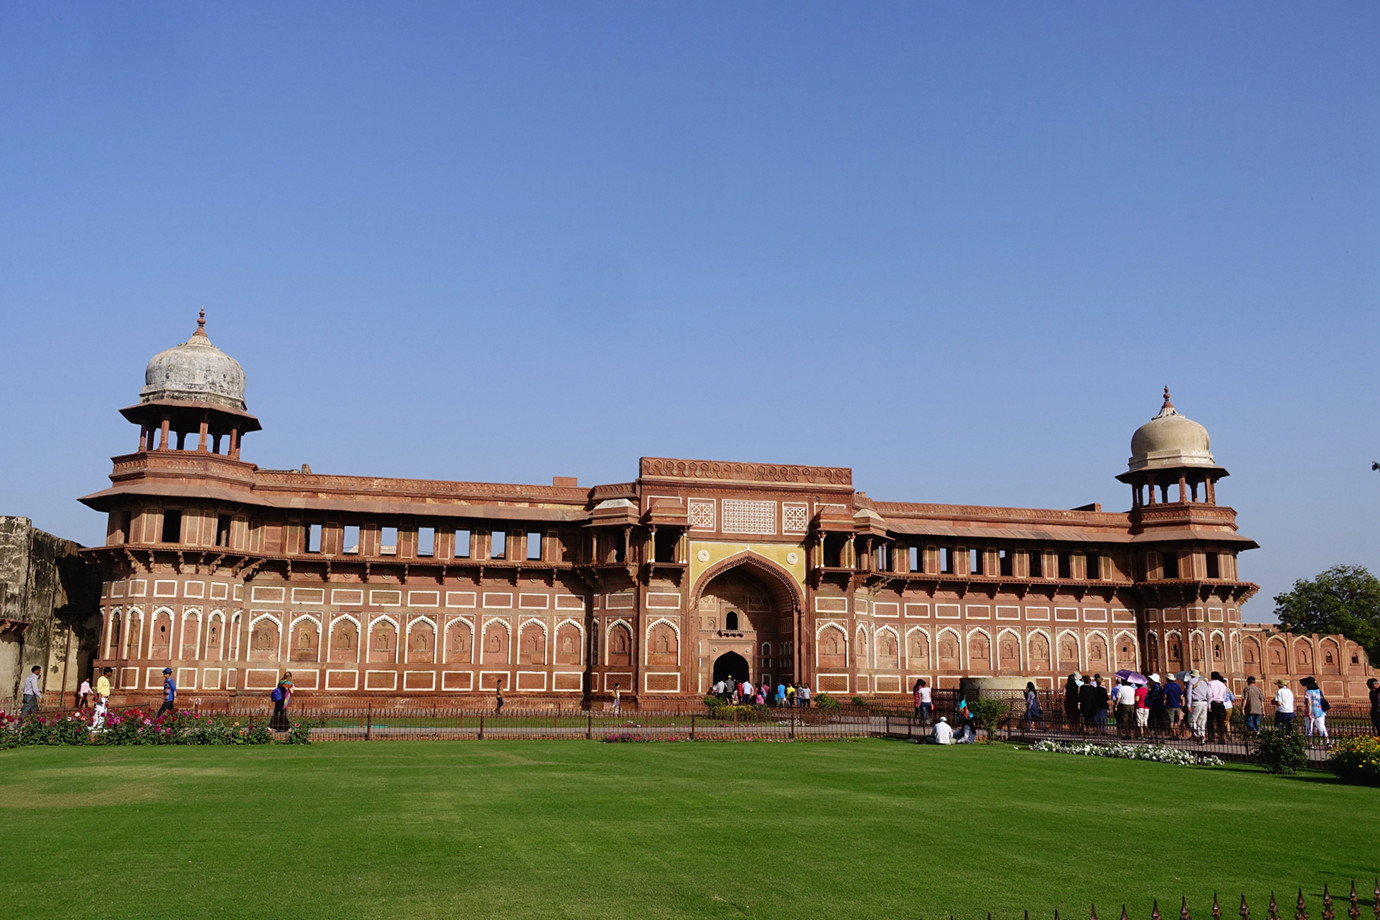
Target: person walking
1253,705
169,693
280,696
84,694
1173,706
804,696
1091,697
1284,704
1032,707
1316,706
102,698
1217,708
1374,687
1071,701
498,695
1197,705
1155,702
1142,709
915,696
618,699
31,692
1125,709
1104,704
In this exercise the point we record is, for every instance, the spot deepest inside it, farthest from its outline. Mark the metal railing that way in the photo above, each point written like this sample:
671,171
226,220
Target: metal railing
432,723
1273,911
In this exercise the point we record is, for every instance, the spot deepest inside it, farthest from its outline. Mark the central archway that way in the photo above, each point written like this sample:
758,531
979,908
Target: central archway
731,666
746,606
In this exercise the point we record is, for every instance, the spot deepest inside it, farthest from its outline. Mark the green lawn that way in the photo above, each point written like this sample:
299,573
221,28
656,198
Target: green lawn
582,829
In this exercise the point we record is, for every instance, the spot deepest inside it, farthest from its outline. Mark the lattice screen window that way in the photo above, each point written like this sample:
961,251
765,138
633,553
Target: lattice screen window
795,518
743,516
701,513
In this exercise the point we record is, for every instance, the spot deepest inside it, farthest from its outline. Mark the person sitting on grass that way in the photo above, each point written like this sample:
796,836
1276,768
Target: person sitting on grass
943,734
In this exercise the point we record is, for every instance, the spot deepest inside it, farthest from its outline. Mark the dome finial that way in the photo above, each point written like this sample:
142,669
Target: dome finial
201,323
1167,403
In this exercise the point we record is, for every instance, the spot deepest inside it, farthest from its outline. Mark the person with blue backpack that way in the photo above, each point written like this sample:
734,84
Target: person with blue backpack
281,696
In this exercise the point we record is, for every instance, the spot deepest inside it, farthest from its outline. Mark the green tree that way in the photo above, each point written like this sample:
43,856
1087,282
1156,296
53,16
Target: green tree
1345,599
988,713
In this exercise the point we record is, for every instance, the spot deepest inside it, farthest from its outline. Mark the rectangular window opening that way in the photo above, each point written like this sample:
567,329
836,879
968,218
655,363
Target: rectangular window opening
975,562
946,560
222,530
349,542
833,550
1004,560
498,544
1169,565
533,545
426,542
1037,564
462,544
1066,565
313,538
388,541
1214,565
914,554
667,539
172,526
1094,563
884,557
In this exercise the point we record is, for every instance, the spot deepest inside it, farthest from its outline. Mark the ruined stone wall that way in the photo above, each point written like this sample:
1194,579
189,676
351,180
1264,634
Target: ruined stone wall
49,611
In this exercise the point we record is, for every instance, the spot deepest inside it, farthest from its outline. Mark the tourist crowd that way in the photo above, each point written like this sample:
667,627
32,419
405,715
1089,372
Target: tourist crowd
1193,705
745,693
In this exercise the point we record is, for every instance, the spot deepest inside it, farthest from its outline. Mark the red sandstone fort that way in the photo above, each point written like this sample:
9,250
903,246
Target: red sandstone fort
367,587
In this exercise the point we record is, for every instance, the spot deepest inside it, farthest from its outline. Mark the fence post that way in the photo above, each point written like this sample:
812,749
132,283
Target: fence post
792,724
481,726
888,725
368,723
692,730
589,725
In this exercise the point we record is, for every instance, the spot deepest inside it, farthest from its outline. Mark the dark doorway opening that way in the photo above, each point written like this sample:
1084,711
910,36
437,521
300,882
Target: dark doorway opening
731,666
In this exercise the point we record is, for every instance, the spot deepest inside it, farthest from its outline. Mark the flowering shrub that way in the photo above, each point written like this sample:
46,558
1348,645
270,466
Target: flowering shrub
625,739
135,726
1356,760
1159,753
1281,750
827,703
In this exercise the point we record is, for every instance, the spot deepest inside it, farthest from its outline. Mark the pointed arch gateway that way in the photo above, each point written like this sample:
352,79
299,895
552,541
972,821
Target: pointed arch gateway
750,606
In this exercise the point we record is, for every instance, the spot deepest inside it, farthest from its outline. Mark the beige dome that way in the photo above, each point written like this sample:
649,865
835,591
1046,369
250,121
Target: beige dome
1170,440
195,371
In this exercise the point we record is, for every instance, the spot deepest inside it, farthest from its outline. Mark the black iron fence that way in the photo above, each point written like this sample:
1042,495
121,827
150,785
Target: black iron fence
760,723
1326,904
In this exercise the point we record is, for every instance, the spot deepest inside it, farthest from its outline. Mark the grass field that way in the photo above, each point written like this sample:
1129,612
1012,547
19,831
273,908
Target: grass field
580,829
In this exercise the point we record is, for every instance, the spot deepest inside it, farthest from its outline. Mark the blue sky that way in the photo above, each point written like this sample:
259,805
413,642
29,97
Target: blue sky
959,248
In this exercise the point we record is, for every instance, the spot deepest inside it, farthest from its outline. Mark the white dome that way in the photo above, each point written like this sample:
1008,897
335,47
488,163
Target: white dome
1170,440
195,371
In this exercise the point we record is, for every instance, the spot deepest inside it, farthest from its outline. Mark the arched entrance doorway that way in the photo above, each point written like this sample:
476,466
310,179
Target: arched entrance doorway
746,611
731,666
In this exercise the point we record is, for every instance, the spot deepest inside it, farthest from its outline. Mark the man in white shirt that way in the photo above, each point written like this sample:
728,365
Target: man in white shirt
1197,704
943,734
1217,708
1126,709
1284,705
31,692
